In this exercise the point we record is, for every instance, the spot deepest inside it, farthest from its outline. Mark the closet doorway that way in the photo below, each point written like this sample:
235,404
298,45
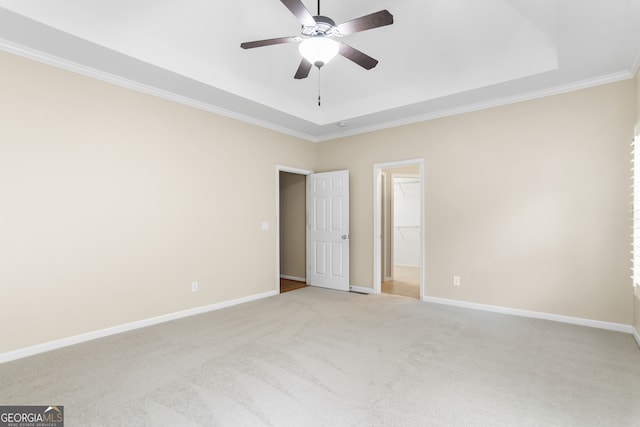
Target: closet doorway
399,224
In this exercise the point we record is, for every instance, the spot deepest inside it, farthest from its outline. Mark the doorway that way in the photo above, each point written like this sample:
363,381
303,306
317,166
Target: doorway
291,233
312,217
398,228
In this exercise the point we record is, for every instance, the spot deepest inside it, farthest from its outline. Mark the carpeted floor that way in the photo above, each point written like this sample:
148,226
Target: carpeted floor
317,357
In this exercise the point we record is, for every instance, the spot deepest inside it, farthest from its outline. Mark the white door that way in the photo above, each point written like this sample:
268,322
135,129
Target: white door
328,230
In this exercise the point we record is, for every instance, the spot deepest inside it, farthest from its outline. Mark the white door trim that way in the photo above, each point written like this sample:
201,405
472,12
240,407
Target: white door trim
377,226
281,168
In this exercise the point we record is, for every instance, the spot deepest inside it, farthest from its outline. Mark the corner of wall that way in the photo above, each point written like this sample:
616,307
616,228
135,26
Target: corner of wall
635,330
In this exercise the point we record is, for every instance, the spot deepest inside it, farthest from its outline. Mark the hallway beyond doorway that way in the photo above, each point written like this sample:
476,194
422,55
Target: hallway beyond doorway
405,282
287,285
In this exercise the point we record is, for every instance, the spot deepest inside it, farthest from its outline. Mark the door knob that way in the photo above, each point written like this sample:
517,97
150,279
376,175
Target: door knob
344,237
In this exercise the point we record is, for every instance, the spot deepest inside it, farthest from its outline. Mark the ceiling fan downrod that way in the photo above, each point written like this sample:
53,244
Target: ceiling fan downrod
319,98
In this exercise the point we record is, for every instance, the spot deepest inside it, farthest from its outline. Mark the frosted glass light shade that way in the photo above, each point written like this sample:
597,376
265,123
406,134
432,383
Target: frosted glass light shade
318,50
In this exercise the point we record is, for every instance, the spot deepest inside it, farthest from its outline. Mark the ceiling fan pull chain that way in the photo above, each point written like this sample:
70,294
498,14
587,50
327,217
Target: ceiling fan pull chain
319,102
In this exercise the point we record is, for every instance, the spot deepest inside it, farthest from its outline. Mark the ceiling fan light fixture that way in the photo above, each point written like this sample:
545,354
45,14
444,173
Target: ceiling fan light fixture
318,50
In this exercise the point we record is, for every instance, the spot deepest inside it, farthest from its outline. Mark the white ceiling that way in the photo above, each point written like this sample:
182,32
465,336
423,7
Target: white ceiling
440,57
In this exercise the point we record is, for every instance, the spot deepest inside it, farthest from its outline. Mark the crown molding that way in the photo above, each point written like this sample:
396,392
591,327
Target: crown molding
74,67
636,64
499,102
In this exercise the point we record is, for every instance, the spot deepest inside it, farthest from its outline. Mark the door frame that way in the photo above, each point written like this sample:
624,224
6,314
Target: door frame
298,171
386,213
377,220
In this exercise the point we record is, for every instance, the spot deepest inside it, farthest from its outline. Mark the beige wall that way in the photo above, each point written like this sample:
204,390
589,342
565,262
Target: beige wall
528,203
113,202
292,225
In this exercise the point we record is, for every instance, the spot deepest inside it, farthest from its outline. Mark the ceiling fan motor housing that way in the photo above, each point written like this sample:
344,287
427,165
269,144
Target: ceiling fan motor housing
325,26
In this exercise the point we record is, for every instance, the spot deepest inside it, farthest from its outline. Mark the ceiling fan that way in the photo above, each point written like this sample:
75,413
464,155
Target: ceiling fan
317,44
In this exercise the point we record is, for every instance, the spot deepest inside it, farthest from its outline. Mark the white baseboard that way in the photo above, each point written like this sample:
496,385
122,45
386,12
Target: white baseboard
360,289
297,279
618,327
65,342
636,335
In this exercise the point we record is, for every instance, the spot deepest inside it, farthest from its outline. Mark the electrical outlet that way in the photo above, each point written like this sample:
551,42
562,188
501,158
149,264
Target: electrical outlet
194,286
456,280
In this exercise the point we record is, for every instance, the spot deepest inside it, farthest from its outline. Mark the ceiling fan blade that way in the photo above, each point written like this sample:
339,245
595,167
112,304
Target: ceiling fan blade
268,42
353,54
300,11
367,22
303,69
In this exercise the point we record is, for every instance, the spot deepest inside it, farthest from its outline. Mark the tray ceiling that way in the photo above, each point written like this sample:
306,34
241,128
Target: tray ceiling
440,57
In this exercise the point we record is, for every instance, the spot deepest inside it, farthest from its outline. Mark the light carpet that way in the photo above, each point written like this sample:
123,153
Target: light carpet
316,357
